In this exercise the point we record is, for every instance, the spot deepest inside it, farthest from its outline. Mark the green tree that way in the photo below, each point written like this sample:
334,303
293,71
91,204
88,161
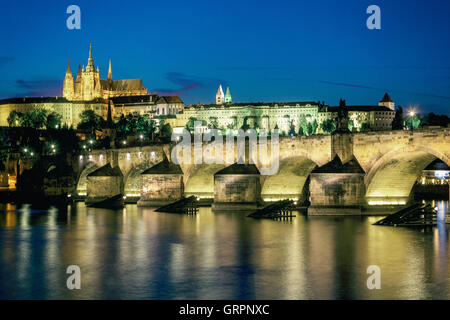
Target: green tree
38,117
123,127
413,122
132,121
245,126
351,124
190,123
53,121
365,126
292,128
90,121
397,123
311,127
315,125
15,118
328,126
432,119
213,124
143,124
152,129
164,129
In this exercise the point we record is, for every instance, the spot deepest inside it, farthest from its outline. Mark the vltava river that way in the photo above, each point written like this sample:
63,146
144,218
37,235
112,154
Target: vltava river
136,253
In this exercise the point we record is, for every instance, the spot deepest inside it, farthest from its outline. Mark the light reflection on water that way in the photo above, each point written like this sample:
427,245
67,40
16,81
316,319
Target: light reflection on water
136,253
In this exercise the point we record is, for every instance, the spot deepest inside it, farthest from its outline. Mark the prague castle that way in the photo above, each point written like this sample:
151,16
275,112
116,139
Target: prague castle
286,116
88,85
89,92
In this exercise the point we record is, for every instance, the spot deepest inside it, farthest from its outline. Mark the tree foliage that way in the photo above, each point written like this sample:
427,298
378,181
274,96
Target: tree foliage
328,126
53,121
90,121
397,123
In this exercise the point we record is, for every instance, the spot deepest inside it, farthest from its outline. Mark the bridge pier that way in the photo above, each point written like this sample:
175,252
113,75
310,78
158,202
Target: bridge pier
104,183
337,188
237,187
161,185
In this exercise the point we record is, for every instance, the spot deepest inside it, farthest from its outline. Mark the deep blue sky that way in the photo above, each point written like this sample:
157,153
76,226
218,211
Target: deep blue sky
265,51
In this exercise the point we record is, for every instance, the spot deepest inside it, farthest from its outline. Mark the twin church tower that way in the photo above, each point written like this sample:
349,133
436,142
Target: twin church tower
88,85
221,98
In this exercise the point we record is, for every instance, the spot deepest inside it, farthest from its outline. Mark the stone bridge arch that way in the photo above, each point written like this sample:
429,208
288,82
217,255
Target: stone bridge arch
290,180
391,178
81,187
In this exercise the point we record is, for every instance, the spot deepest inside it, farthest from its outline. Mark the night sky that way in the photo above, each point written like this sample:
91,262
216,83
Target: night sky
264,50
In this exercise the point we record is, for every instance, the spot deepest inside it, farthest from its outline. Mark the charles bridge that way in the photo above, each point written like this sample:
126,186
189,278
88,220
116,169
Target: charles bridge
374,168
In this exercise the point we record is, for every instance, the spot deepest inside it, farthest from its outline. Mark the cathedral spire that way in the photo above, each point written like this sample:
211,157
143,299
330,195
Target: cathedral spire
109,120
109,71
68,67
90,66
78,79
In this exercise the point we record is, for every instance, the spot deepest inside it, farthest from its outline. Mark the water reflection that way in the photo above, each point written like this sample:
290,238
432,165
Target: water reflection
137,253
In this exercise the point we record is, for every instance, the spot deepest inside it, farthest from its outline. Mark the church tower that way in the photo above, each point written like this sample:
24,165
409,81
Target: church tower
90,80
68,86
219,95
227,98
110,71
386,101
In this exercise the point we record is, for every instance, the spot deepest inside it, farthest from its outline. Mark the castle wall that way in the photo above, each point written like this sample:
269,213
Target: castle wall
69,111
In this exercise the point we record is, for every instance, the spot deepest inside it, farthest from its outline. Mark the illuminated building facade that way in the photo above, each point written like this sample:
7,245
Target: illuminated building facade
436,173
286,116
89,92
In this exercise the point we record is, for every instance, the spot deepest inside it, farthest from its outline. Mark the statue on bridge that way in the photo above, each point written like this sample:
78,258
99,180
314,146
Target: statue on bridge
342,118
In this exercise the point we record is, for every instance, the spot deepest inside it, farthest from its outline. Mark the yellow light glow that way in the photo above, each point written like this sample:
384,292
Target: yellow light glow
386,203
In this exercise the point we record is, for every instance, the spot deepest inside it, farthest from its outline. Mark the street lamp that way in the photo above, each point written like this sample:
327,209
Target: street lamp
411,116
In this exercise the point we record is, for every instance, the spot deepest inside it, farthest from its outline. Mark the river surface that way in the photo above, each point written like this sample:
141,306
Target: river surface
136,253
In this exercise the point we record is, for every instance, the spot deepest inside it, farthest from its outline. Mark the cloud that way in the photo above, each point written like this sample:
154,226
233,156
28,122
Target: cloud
43,87
342,84
254,68
428,95
185,83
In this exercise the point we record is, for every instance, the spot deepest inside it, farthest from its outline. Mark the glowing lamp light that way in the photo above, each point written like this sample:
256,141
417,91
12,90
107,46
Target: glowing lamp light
441,174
